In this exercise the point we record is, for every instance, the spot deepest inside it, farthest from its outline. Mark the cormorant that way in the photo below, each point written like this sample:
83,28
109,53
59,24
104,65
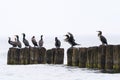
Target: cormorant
25,41
71,36
34,41
57,42
70,39
102,38
18,42
13,43
41,41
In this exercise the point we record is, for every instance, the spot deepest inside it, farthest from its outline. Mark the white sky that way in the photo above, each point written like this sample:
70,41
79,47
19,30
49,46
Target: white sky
59,17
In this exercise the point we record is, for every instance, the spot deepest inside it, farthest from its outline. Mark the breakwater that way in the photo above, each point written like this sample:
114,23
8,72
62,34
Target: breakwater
104,58
35,55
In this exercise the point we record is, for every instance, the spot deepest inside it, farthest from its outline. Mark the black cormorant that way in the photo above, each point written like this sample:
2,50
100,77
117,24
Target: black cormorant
41,41
34,41
18,42
25,41
102,38
70,39
13,43
57,42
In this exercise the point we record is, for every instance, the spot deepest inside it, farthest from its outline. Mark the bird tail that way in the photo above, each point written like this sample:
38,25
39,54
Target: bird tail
77,44
106,43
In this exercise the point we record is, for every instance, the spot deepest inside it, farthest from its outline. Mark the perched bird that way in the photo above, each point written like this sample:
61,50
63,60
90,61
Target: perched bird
41,41
18,42
102,38
34,41
13,43
25,41
57,42
70,39
71,36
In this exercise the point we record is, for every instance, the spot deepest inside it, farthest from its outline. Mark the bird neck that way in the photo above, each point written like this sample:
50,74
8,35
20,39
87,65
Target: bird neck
99,34
9,40
41,38
23,37
17,38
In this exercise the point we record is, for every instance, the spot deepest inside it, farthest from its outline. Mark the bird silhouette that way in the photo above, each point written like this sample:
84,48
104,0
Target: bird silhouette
18,42
102,38
70,39
13,43
34,41
25,41
41,41
57,43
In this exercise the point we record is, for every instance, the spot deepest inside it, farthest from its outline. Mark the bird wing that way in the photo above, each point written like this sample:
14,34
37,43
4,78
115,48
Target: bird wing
26,42
103,39
34,41
71,37
41,43
59,42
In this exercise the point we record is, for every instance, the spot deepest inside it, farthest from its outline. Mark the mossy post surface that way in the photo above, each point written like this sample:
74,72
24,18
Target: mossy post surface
69,56
95,57
13,56
42,55
101,57
32,56
116,58
89,63
36,55
22,57
58,55
25,56
49,57
109,58
82,57
73,57
10,56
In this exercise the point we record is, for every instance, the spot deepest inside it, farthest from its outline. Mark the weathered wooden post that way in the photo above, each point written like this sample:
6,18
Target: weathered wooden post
101,57
34,55
9,57
42,55
22,61
17,56
109,58
73,57
13,56
25,56
82,57
58,55
95,57
69,57
89,63
116,58
49,57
